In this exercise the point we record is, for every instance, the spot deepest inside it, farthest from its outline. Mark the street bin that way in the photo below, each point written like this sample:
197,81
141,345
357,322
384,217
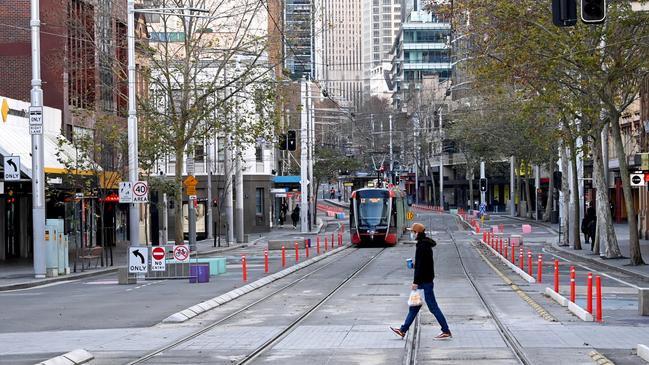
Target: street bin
52,255
199,273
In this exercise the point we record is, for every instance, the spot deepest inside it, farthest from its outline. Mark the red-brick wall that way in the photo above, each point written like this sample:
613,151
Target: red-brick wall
15,50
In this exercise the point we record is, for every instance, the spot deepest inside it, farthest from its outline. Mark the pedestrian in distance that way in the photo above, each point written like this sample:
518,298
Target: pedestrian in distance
589,226
423,279
295,216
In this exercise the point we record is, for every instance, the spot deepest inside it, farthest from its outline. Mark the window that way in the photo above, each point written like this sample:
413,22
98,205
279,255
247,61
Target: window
221,149
259,201
259,152
199,152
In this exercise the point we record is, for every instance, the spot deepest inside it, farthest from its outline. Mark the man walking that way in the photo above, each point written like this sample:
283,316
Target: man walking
424,276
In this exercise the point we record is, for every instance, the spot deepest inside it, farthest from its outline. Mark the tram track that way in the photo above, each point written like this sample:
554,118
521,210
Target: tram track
505,333
276,338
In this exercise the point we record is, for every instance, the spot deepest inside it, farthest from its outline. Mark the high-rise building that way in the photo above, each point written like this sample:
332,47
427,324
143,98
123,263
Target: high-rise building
338,49
298,44
420,50
381,21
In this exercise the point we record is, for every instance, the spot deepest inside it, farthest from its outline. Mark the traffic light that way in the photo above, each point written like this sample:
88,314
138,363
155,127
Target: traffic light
281,144
483,184
564,13
556,177
291,142
593,11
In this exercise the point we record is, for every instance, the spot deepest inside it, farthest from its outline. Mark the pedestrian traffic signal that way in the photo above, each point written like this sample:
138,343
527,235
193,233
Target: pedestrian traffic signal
564,13
593,11
281,144
483,184
291,142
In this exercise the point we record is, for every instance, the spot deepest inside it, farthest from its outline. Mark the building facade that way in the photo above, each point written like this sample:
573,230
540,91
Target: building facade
381,21
338,56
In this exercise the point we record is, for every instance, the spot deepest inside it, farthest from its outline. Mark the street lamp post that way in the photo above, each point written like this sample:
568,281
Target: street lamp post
38,155
134,210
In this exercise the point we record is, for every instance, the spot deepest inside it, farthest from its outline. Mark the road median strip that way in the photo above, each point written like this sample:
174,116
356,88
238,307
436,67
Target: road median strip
76,357
193,311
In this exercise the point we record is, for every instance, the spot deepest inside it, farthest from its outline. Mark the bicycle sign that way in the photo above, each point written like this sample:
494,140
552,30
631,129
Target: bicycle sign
181,252
141,192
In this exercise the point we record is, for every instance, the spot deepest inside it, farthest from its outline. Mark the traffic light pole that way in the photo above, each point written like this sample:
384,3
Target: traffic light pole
304,203
441,162
483,194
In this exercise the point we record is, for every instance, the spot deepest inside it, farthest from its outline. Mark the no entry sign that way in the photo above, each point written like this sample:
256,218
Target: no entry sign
158,253
158,259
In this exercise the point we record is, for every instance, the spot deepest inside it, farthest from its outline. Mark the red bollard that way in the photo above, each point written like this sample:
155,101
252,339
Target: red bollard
598,293
318,246
326,243
556,275
484,236
297,252
513,255
243,268
505,250
521,261
306,249
529,262
332,241
266,260
340,239
283,256
572,284
589,293
539,271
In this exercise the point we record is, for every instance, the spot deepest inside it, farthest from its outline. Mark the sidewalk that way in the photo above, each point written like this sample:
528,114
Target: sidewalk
621,264
20,274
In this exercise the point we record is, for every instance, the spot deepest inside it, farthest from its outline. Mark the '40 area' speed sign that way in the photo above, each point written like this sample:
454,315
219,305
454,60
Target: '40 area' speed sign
141,192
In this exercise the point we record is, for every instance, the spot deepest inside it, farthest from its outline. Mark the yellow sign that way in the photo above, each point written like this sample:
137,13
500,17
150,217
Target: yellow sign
5,110
410,216
190,181
191,190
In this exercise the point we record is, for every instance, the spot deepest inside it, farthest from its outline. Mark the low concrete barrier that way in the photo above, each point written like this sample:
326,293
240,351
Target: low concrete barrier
643,352
563,301
288,244
580,312
75,357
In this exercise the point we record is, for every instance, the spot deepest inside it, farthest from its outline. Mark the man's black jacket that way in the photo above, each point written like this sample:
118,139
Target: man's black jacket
424,265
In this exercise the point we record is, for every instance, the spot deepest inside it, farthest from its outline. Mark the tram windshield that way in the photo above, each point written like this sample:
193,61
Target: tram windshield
373,207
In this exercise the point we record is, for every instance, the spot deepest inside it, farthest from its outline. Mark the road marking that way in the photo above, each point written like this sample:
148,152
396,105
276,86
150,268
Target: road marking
592,270
40,286
102,282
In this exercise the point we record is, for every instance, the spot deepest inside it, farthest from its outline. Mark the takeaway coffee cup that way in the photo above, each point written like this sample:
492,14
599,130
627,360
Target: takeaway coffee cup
409,263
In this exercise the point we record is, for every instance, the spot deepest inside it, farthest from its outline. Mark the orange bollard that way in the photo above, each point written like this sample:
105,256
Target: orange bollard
589,293
521,261
297,252
529,262
326,243
501,246
243,268
598,290
572,284
506,249
556,275
340,239
484,237
306,249
318,247
332,240
539,271
283,256
513,255
266,260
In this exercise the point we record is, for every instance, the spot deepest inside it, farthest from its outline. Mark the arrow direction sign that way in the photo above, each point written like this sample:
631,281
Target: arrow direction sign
12,168
138,258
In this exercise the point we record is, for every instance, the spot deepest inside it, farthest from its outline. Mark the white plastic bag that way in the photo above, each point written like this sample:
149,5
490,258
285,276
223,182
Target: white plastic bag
416,298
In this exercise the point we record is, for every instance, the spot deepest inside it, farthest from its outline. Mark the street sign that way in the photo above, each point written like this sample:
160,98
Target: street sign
138,259
191,182
125,192
12,168
158,262
2,188
181,253
348,184
637,180
410,216
35,129
192,197
190,165
141,192
35,115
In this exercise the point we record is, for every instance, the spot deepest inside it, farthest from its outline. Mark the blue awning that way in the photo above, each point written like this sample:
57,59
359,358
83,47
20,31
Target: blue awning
286,179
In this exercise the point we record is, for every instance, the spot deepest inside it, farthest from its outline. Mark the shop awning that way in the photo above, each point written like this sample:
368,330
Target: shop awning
15,139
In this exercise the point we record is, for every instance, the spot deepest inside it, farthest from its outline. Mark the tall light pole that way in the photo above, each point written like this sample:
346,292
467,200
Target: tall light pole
304,207
133,163
38,156
441,162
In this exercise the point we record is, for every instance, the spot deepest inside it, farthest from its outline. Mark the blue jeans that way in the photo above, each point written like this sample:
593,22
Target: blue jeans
429,295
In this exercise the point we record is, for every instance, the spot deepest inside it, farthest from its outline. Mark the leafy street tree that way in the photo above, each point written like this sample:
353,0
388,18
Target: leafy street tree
215,79
587,74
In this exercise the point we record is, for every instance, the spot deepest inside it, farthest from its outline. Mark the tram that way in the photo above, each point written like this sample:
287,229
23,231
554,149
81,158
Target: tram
377,216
